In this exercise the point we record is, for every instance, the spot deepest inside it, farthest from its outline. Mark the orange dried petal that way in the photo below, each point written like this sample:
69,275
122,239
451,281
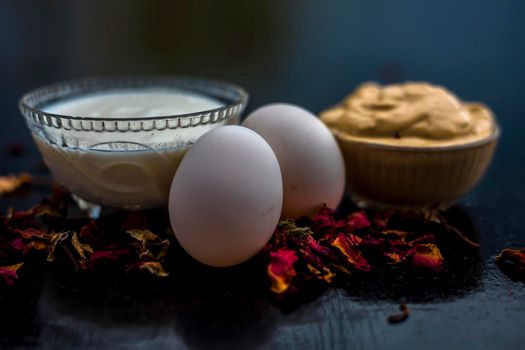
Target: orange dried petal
9,273
348,245
11,183
281,269
428,256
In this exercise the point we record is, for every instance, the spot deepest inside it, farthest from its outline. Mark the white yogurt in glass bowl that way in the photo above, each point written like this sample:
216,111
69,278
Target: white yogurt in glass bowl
117,142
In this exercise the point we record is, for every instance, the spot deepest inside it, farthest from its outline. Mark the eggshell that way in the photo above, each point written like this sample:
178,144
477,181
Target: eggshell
311,162
226,197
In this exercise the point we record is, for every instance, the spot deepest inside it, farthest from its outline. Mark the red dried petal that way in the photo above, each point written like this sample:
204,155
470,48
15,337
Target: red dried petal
348,245
427,256
9,273
32,233
398,235
312,253
108,255
356,221
381,219
318,248
18,245
325,222
514,256
281,269
397,256
369,241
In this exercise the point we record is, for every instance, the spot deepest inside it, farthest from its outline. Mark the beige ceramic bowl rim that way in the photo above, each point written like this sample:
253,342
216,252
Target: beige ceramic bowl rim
494,136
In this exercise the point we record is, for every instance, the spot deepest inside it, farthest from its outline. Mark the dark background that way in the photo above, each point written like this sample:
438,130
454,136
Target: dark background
311,53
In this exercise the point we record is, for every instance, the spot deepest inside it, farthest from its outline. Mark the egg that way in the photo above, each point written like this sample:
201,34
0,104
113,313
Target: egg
311,162
226,196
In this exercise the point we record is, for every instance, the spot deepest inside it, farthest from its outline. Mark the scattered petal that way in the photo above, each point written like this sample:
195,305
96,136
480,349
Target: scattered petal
19,245
32,233
281,269
513,258
11,183
9,273
427,256
290,228
325,221
153,267
108,254
402,316
382,218
348,245
357,221
80,248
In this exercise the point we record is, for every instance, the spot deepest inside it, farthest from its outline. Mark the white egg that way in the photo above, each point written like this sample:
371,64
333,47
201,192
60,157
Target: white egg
226,197
311,162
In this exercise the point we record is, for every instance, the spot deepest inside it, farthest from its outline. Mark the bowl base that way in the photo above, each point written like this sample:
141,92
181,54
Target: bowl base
92,209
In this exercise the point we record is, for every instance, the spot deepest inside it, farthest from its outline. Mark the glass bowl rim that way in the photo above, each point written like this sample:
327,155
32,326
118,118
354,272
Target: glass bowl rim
240,101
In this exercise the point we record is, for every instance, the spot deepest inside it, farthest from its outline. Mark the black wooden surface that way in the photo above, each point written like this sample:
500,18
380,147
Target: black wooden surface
472,304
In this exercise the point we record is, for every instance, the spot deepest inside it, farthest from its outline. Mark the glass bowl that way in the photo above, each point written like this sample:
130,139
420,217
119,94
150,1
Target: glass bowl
125,163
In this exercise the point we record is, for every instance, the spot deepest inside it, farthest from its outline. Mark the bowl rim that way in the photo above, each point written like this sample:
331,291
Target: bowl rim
494,136
147,80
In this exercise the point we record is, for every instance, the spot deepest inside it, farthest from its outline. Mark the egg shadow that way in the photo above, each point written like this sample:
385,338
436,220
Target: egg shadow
197,306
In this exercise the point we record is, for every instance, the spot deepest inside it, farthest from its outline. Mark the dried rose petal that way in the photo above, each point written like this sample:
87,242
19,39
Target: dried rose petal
108,254
9,273
323,274
400,317
427,256
290,228
399,235
312,253
11,183
32,233
348,245
45,210
356,221
381,219
163,249
143,236
396,257
19,245
513,256
54,243
148,241
318,248
81,248
37,245
281,269
153,267
325,221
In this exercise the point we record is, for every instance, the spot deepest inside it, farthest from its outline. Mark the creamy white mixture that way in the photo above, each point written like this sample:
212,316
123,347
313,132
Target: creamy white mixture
125,179
133,104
